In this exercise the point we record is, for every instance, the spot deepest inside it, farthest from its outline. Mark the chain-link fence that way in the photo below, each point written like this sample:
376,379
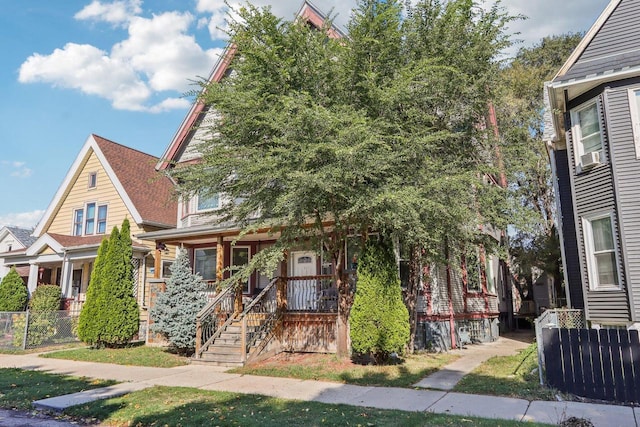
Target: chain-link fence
27,329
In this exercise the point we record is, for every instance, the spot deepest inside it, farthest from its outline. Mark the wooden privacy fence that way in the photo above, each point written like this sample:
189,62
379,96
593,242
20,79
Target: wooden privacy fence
599,364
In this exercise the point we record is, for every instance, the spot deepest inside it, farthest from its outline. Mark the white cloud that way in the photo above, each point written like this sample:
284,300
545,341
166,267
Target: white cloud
17,169
23,219
117,12
159,55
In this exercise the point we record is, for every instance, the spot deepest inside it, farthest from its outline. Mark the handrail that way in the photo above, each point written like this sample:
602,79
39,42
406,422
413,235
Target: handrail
259,297
208,312
210,306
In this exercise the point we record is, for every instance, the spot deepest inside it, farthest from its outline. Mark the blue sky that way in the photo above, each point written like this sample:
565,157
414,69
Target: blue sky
119,69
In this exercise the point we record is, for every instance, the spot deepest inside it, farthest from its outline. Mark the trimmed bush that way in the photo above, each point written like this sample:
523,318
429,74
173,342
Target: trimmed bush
379,320
174,312
89,325
13,292
43,308
110,315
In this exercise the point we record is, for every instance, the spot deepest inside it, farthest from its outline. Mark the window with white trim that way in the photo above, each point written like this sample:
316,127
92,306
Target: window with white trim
205,261
587,132
600,249
93,179
85,220
634,108
207,202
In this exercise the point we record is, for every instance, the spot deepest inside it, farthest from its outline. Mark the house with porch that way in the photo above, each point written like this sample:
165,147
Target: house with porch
295,307
593,136
14,241
106,183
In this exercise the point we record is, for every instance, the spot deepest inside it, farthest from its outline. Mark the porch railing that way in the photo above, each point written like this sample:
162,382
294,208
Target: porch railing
213,319
312,294
259,318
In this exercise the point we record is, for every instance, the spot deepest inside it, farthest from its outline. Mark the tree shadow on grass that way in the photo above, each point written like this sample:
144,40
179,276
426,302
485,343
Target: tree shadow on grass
523,387
175,406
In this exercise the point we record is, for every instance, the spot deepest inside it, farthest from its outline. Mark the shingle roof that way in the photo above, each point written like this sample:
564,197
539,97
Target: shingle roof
71,241
150,192
23,235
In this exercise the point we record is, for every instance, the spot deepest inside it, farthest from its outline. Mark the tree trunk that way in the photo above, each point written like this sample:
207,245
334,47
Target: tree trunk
344,306
411,295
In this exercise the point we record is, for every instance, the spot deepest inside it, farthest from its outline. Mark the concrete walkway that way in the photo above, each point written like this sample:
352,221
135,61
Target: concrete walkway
473,356
212,378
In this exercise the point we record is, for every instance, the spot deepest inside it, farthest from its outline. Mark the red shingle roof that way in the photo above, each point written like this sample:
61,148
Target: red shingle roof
150,192
70,241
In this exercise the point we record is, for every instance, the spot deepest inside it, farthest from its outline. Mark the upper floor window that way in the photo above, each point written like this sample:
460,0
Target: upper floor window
90,220
634,107
208,202
472,263
587,134
600,250
93,179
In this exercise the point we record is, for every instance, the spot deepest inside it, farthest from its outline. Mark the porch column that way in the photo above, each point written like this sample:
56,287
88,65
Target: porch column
219,259
281,290
67,276
33,278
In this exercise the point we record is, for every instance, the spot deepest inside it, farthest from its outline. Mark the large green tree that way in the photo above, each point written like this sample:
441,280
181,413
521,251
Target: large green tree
384,129
89,323
521,115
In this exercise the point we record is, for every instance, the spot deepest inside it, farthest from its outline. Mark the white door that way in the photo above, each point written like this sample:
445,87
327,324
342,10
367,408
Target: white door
302,293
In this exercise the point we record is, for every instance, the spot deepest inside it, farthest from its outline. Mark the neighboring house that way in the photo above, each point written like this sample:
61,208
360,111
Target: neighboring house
13,241
593,135
106,183
448,302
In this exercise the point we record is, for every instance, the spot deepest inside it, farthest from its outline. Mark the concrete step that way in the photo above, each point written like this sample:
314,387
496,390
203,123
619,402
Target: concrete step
221,358
224,349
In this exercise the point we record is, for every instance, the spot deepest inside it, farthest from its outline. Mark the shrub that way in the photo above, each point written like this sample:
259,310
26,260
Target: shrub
110,315
43,308
13,292
174,312
379,320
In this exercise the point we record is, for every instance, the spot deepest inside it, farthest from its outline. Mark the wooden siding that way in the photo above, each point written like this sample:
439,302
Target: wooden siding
594,193
570,241
79,193
614,47
627,179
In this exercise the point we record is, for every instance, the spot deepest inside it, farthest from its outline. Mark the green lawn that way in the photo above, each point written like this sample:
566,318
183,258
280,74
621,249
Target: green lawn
18,388
511,376
175,406
135,355
329,367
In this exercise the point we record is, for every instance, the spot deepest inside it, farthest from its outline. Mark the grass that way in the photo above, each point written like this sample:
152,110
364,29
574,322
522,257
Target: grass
19,388
56,347
511,376
328,367
176,406
134,355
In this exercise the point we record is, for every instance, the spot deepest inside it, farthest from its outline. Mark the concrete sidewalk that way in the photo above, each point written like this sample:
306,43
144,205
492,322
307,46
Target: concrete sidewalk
212,378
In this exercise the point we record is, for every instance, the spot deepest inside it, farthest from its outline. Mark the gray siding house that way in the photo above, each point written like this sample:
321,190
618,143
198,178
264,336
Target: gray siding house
594,146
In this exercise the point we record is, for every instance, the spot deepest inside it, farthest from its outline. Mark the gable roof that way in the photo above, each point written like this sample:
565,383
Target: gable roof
308,12
22,235
146,194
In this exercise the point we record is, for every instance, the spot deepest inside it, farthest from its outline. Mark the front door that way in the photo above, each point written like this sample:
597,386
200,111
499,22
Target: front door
302,293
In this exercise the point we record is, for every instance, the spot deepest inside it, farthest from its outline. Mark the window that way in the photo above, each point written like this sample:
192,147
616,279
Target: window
93,179
166,268
472,263
205,263
586,130
102,219
634,107
208,202
602,265
78,214
490,273
85,220
239,258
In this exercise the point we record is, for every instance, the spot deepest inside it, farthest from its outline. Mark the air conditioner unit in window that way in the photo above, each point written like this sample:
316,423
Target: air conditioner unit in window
590,160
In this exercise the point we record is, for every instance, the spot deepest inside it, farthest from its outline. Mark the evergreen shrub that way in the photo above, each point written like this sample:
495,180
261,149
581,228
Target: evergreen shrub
379,320
175,309
13,292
